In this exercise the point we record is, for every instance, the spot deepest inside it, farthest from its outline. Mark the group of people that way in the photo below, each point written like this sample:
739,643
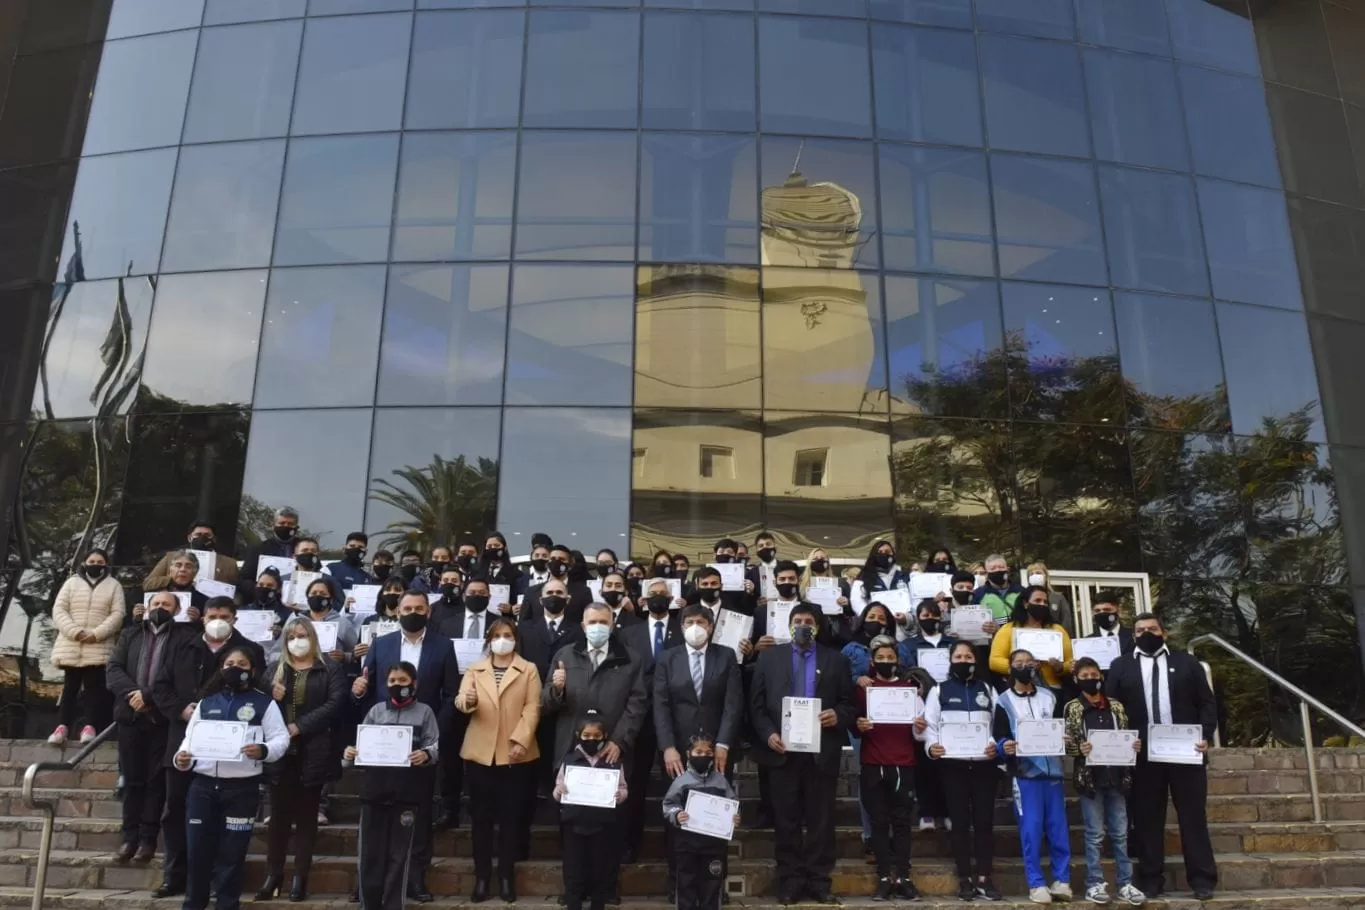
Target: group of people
623,669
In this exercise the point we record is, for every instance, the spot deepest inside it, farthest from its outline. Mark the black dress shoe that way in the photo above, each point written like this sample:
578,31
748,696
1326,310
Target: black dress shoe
884,890
508,889
145,851
417,891
1203,894
271,889
168,889
823,897
480,892
299,890
125,852
786,898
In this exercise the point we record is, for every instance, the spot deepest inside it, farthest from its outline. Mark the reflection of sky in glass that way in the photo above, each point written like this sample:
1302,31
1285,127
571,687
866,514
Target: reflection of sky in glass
963,327
89,317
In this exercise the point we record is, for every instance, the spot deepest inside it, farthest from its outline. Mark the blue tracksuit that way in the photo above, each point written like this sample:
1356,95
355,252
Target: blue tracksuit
1039,788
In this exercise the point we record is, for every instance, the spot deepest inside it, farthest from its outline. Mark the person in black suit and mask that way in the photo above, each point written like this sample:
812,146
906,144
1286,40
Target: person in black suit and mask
804,785
1160,686
576,589
1105,614
541,639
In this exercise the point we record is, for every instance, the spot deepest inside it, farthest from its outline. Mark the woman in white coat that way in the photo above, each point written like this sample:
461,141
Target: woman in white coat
88,615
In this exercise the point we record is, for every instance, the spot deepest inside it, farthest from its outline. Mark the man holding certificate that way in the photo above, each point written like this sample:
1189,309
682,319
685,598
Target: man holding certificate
801,703
1160,688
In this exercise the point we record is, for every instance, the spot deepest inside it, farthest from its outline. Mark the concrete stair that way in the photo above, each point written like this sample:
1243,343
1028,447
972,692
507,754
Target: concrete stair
1270,852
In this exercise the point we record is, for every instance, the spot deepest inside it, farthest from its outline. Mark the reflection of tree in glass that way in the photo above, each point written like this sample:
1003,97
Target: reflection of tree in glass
442,502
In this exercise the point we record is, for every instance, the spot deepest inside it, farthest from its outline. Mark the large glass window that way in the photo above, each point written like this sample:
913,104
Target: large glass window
1047,220
342,7
570,336
698,199
814,76
1133,25
819,203
701,4
1190,510
139,99
1135,110
223,208
221,11
1169,350
73,483
1035,96
32,204
698,72
118,213
1152,228
444,332
142,17
352,73
576,198
466,70
201,350
1337,345
1043,18
1344,30
955,13
582,69
455,197
318,343
243,82
1229,126
1215,33
1062,354
815,7
1251,254
1269,365
936,209
337,200
1295,49
926,85
944,341
1314,146
1331,242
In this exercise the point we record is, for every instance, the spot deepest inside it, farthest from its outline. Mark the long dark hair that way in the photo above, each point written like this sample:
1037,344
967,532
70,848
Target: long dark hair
869,570
215,683
1019,615
890,624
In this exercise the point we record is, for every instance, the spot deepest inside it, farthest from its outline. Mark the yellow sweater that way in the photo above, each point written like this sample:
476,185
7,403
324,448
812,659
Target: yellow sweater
1003,644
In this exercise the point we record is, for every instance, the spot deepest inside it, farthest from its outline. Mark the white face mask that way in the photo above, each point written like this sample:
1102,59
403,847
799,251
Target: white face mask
695,636
218,629
1037,580
299,647
502,646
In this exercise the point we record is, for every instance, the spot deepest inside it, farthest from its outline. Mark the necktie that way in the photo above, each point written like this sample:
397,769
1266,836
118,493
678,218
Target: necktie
1156,691
658,637
596,660
554,627
799,684
473,630
697,673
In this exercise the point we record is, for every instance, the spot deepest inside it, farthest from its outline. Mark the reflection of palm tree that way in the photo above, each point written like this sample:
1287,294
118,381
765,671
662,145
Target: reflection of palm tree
441,502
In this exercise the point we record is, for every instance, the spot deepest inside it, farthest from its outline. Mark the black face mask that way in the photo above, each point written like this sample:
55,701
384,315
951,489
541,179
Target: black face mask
466,563
997,578
634,586
701,765
558,569
476,603
266,595
553,604
94,573
872,629
354,557
493,554
388,602
159,617
885,669
1107,621
202,542
236,678
307,561
319,604
438,567
961,671
709,595
962,598
680,572
412,622
590,746
819,565
724,559
884,560
939,567
604,569
1150,642
403,695
767,554
450,592
539,564
407,573
1040,612
381,570
663,571
283,534
1022,674
1090,686
930,626
659,603
786,591
613,598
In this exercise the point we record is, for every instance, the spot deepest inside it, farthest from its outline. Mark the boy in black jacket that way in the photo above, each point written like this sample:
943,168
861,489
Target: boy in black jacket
700,859
590,833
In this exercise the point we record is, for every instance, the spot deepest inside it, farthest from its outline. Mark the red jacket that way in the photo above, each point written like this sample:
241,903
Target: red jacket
890,744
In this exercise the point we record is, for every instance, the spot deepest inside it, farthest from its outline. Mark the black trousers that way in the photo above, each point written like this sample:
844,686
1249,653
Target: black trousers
701,878
928,785
671,835
84,696
592,862
496,800
1188,786
888,795
292,807
644,756
386,841
142,762
969,788
803,800
173,826
765,795
452,768
221,814
422,837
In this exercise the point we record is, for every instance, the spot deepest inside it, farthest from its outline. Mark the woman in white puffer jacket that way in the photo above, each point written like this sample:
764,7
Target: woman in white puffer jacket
88,615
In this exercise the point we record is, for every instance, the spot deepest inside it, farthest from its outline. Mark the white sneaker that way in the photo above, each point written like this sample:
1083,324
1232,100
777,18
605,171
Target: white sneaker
925,824
88,733
1040,895
322,818
1132,895
1097,894
1060,891
947,824
58,737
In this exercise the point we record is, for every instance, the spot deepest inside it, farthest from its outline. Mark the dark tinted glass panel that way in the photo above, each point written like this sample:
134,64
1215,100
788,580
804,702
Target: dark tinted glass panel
140,95
926,85
243,82
1349,468
698,199
466,70
815,7
142,17
352,74
1293,525
1134,110
181,468
1169,350
32,205
936,208
444,332
223,207
1269,366
819,203
337,200
944,339
339,7
814,77
1294,47
467,4
957,13
1044,18
570,337
1190,511
1047,220
458,456
96,336
696,476
1314,146
73,483
561,90
828,478
577,196
1331,244
566,472
46,93
220,11
697,337
1229,127
702,4
823,340
1035,97
954,484
118,213
1152,229
1214,32
1062,354
327,488
455,196
1337,346
585,2
1251,255
1134,25
201,350
1355,126
319,343
1346,29
698,72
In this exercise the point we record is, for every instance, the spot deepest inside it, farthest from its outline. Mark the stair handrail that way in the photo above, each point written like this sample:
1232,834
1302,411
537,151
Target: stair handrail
49,807
1305,700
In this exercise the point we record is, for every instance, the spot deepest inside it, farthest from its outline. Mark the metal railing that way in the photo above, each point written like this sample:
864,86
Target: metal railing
49,807
1305,700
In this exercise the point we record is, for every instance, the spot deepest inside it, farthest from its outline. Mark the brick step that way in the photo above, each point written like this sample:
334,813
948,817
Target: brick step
448,876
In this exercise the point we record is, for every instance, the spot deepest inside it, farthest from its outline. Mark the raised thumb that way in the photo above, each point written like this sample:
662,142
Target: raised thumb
561,665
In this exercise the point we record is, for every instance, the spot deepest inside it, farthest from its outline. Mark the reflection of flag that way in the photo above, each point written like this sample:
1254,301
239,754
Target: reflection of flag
114,350
75,266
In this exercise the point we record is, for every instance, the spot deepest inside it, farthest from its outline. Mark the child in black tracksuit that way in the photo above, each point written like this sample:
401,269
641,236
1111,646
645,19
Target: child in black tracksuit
700,859
592,856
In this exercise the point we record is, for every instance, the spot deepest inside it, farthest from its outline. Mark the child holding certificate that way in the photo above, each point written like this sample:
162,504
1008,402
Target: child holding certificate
592,855
700,858
1103,790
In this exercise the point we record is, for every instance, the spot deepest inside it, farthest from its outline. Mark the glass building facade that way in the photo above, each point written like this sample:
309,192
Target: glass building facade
1073,280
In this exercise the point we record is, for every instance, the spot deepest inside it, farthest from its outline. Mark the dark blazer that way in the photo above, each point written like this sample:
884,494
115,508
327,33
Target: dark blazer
616,690
125,666
772,681
678,713
184,672
1126,643
438,673
638,636
325,695
1192,700
538,647
246,578
579,597
453,622
833,633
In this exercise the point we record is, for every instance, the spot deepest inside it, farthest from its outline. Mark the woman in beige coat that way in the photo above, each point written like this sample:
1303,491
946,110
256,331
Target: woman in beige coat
501,695
88,616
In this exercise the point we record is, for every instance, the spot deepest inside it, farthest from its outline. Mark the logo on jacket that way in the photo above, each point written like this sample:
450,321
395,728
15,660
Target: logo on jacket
246,713
983,700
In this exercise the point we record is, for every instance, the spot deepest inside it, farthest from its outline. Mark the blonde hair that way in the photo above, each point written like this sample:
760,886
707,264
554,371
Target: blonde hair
1041,568
313,651
807,574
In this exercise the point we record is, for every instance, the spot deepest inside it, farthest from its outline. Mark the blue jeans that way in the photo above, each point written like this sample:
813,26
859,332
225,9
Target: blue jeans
1040,808
1106,813
857,743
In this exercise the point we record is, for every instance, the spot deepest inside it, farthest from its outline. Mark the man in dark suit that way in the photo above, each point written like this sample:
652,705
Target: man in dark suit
281,543
1105,613
438,682
1160,686
578,592
541,639
804,784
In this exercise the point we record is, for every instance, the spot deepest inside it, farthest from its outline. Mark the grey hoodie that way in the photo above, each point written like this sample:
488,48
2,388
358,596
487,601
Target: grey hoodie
676,798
